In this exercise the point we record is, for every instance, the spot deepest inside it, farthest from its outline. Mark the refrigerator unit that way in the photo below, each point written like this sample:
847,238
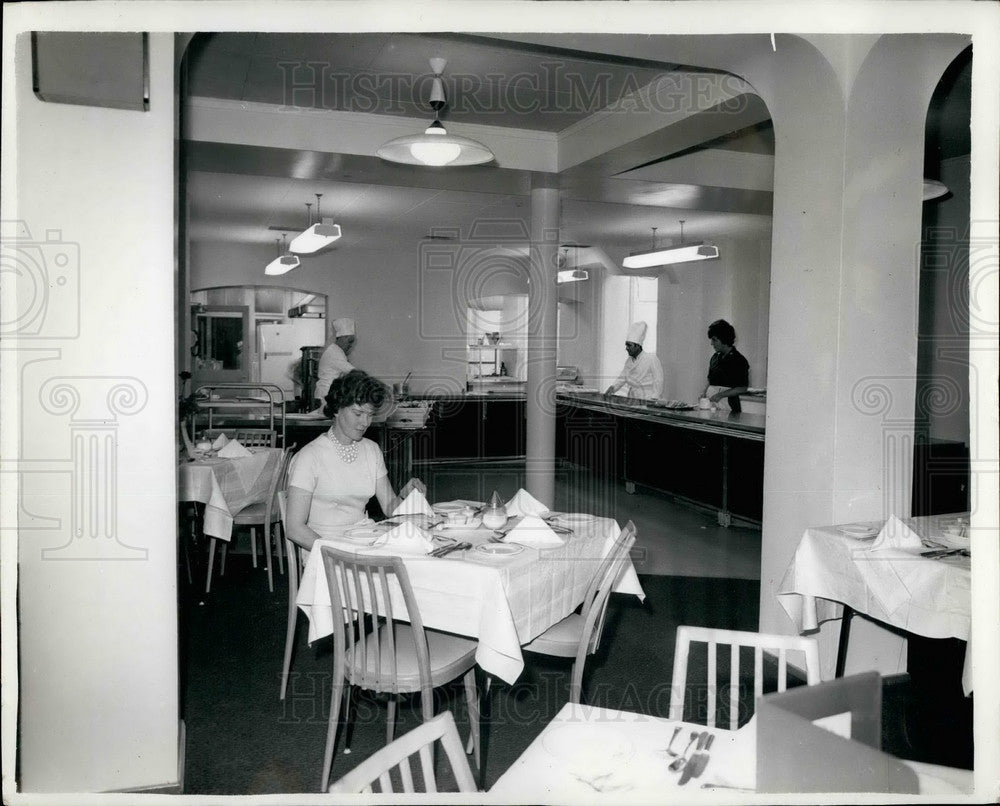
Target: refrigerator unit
279,349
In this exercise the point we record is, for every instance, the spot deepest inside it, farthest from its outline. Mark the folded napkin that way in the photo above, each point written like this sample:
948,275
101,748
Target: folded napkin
896,535
414,504
407,538
523,503
531,530
233,449
220,442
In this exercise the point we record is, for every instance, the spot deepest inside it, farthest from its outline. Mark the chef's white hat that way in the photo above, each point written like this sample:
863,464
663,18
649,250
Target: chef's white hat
636,332
343,327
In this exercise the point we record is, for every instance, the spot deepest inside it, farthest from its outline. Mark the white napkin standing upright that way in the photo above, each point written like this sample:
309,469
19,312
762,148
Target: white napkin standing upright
531,530
233,449
220,442
414,504
523,503
896,535
408,538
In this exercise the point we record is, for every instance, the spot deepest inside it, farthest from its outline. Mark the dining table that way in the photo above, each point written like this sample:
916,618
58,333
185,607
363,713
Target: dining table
504,597
226,485
923,589
590,754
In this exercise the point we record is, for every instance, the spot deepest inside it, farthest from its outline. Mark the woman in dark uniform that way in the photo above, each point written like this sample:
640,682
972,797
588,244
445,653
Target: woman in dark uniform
728,371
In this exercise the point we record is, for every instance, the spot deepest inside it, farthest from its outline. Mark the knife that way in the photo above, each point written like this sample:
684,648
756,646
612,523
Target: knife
692,762
700,760
449,549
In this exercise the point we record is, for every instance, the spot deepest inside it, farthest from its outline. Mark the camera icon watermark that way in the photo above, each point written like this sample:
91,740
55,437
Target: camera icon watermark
39,283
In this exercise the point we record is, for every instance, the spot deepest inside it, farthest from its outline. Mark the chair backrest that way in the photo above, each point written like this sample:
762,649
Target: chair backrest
396,755
256,437
780,645
595,603
277,483
248,437
361,583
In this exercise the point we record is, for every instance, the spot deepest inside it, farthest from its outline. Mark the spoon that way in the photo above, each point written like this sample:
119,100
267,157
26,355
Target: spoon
676,731
682,759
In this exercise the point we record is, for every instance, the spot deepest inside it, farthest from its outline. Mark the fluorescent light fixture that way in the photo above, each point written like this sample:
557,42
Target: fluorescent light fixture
315,238
676,254
572,276
682,253
282,265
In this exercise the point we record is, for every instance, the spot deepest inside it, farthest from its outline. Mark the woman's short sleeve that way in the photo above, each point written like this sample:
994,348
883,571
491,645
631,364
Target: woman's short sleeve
378,463
302,472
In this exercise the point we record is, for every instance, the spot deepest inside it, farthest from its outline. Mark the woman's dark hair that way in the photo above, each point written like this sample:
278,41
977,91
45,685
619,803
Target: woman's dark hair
723,331
354,388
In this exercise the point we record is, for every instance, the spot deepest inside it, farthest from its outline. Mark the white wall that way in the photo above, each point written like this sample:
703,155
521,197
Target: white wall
691,296
95,448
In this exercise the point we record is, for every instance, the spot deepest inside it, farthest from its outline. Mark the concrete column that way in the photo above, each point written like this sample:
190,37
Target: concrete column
542,308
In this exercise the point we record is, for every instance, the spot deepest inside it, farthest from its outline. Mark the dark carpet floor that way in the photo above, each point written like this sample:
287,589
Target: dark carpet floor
241,739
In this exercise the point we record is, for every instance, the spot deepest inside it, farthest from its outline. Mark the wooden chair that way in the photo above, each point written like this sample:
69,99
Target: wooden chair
396,755
296,553
579,634
773,644
261,513
393,657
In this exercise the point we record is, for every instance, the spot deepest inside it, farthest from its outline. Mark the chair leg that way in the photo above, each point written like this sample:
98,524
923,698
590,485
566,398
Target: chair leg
225,552
290,623
211,561
348,724
471,744
253,544
390,722
472,702
267,556
187,558
279,538
575,684
331,733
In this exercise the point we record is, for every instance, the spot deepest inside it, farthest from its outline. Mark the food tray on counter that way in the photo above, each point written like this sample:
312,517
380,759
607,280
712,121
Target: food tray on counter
670,405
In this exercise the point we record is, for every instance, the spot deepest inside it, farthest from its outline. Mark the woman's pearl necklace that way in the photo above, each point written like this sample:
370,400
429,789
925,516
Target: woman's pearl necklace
348,453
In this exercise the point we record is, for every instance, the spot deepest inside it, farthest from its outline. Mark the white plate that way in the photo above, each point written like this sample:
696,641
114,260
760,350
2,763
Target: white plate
499,549
590,747
859,531
365,535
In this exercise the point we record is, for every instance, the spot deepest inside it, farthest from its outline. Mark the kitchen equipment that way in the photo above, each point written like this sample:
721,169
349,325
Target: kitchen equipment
409,414
279,349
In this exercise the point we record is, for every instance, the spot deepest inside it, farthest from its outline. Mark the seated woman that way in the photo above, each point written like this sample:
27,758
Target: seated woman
333,477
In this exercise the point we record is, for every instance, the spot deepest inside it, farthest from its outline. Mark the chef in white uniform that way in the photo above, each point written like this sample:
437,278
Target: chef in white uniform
333,362
642,373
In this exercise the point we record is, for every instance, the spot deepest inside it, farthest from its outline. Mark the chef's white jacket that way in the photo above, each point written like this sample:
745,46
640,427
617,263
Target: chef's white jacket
643,375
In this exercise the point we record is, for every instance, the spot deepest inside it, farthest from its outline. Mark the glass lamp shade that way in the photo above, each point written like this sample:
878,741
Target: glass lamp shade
666,257
282,265
315,238
435,147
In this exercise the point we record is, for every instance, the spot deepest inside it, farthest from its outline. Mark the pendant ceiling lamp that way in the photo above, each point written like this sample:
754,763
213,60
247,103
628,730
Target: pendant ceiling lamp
682,253
316,236
435,147
283,263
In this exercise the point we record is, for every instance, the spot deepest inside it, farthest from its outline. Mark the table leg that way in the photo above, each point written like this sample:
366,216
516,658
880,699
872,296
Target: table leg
845,635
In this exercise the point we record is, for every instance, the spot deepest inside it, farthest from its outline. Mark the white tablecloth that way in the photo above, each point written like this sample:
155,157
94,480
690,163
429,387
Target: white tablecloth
503,602
225,486
929,597
589,754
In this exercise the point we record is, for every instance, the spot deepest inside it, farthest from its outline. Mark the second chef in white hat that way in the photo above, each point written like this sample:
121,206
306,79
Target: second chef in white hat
333,362
642,373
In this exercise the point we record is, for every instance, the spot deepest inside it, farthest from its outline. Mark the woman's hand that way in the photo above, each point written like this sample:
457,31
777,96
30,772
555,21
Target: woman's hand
411,485
717,397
